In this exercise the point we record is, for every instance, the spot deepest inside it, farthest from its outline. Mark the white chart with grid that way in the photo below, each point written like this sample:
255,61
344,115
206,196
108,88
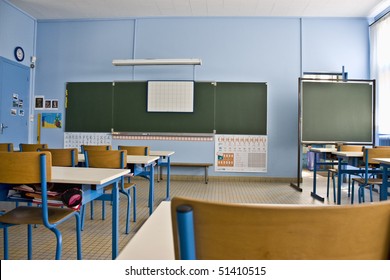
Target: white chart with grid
170,96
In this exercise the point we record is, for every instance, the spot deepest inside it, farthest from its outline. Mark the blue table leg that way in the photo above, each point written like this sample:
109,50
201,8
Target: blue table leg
151,189
384,187
168,195
314,192
115,219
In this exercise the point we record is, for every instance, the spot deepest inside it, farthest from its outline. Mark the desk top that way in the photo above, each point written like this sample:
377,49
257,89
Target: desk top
323,150
154,240
383,160
131,159
82,175
161,153
348,154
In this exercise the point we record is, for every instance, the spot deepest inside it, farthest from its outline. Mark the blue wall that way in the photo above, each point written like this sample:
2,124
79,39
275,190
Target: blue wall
272,50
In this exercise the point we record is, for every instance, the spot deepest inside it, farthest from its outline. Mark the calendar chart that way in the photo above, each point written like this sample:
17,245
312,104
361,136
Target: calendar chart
241,153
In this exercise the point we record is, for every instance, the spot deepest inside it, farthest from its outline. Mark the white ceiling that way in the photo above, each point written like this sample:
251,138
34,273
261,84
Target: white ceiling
89,9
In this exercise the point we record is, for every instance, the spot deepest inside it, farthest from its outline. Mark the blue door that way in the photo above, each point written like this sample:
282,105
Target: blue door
14,102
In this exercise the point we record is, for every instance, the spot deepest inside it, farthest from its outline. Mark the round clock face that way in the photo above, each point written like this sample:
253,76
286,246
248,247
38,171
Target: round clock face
19,54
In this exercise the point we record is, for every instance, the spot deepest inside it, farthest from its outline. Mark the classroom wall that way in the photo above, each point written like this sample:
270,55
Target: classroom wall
272,50
17,29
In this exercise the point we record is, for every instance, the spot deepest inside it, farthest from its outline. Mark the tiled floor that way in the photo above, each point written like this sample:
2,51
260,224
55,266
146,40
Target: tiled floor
96,237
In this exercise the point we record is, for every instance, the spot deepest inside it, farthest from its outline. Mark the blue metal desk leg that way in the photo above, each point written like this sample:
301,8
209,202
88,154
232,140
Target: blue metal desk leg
384,187
151,188
115,219
168,195
314,192
339,180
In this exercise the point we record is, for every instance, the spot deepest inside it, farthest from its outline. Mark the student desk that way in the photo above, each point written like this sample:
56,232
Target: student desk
385,163
164,160
147,163
342,157
154,240
319,153
93,181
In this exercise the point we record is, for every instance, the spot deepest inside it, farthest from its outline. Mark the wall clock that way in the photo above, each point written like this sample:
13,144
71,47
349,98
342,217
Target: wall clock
19,53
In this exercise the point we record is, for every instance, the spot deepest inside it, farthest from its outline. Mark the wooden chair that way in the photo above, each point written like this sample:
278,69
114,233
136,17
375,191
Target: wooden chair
6,147
33,168
332,172
63,157
95,148
136,151
113,159
368,180
31,147
215,231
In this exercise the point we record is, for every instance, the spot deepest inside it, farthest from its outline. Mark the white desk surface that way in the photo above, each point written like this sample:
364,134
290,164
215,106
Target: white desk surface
383,160
82,175
348,154
154,240
323,150
131,159
161,153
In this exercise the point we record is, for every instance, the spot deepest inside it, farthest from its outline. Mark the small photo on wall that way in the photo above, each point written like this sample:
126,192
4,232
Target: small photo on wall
39,102
54,104
47,104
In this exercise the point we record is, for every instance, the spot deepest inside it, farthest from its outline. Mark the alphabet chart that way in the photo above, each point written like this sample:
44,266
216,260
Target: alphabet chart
241,153
76,139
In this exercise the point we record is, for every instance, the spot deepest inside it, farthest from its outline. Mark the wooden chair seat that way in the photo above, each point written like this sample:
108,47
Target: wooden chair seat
25,215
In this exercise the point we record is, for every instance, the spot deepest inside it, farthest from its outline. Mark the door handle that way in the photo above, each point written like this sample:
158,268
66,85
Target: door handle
2,127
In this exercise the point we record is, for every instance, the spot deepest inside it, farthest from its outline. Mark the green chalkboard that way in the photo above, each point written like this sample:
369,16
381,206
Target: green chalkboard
242,106
222,107
337,111
88,107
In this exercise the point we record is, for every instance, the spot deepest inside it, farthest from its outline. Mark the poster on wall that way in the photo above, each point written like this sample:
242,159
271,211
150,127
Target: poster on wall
240,153
51,120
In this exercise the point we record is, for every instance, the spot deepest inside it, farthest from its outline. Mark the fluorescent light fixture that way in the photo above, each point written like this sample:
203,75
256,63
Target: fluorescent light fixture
133,62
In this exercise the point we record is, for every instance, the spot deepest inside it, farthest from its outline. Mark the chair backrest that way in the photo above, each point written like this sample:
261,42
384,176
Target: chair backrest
136,150
6,147
23,168
105,159
371,153
95,148
63,157
31,147
237,231
350,148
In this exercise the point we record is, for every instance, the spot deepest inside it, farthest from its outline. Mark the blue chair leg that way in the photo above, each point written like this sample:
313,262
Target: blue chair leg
29,242
78,235
327,185
59,242
353,192
91,203
134,204
126,193
5,241
103,210
82,212
334,188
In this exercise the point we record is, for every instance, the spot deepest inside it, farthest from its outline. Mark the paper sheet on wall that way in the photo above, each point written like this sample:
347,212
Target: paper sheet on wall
241,153
76,139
